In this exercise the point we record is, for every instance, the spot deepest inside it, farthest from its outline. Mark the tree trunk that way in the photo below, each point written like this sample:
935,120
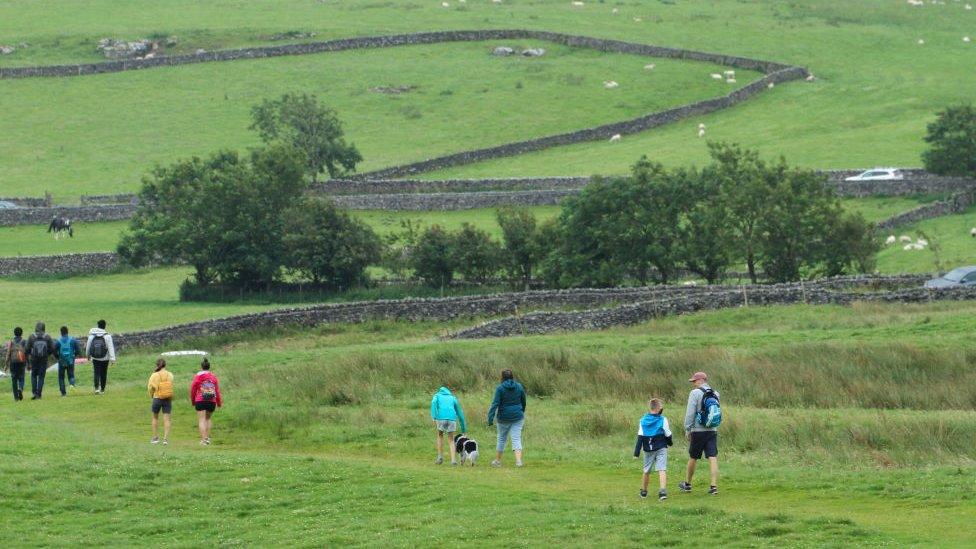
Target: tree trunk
751,262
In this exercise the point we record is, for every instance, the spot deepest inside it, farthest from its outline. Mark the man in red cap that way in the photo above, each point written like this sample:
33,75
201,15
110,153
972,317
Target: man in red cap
702,439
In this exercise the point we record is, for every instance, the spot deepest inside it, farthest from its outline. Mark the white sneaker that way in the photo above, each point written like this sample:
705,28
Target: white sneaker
165,442
496,463
155,440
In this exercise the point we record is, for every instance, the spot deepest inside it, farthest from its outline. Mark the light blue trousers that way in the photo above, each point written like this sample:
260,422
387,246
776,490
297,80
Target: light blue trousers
513,429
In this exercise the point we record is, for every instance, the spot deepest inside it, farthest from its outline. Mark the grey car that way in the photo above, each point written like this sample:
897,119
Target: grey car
956,278
6,205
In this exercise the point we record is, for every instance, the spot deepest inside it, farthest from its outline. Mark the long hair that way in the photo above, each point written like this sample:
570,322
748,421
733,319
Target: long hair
160,364
205,364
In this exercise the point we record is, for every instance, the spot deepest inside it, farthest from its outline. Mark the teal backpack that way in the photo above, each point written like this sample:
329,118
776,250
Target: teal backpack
67,351
710,414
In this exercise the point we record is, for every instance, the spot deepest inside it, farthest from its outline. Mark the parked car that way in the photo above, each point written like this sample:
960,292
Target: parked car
963,276
878,174
7,205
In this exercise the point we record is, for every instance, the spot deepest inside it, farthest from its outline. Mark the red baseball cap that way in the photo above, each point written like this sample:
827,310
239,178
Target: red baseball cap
699,375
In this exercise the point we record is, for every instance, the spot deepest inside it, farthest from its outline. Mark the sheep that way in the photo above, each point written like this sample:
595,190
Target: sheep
922,242
649,67
637,19
614,11
771,85
968,6
445,5
965,39
730,80
610,84
729,73
716,76
972,232
890,240
810,78
917,246
905,238
578,4
615,138
921,42
701,126
689,283
907,247
701,133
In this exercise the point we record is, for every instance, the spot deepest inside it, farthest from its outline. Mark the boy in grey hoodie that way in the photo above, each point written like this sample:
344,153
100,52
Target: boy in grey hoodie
101,350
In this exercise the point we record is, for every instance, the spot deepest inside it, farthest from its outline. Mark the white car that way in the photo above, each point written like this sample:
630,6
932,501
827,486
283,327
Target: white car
878,174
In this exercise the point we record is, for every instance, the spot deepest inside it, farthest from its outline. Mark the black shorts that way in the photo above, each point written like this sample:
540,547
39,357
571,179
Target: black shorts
205,406
164,404
703,441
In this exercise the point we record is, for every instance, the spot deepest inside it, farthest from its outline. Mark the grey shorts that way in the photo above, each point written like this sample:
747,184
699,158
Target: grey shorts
658,460
446,426
164,404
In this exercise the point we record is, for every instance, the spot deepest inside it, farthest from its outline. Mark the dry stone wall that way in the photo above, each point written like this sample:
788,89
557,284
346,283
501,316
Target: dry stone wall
452,201
955,204
32,216
407,186
473,306
59,264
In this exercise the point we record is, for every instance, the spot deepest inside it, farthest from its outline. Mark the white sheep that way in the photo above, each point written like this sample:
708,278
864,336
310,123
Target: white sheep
615,137
905,238
716,76
689,283
445,5
917,246
701,132
614,11
890,240
649,67
701,126
922,242
968,6
578,4
610,84
810,78
771,85
637,19
730,80
965,39
907,247
729,73
972,232
921,42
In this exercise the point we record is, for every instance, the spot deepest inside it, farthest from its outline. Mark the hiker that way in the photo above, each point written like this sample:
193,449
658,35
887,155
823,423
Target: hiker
654,437
509,402
446,412
205,396
161,391
703,439
100,350
67,349
16,360
40,348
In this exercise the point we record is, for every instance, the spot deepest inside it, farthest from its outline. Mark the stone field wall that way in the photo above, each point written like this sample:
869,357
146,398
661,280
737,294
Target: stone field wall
59,264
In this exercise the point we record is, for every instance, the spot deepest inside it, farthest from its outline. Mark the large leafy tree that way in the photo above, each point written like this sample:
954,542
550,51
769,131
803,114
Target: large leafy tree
707,248
223,215
952,140
301,122
521,252
475,255
327,245
432,257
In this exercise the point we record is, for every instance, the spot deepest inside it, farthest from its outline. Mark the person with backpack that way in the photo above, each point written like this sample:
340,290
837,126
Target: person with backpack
40,348
16,360
447,414
161,391
101,351
702,418
509,403
68,349
205,397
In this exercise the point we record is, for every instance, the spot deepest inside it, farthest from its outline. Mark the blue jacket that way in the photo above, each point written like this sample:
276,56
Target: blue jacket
653,433
509,402
445,407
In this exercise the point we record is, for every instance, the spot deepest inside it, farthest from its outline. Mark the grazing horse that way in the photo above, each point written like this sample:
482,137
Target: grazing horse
61,225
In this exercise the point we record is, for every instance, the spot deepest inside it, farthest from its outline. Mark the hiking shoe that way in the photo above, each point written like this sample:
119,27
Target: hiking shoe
713,490
165,442
207,441
496,463
662,495
203,443
439,460
155,440
684,486
643,494
519,464
35,397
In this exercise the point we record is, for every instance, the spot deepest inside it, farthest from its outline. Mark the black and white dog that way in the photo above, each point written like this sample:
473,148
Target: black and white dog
467,448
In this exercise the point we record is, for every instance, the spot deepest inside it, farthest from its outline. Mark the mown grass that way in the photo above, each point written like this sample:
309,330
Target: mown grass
324,438
107,131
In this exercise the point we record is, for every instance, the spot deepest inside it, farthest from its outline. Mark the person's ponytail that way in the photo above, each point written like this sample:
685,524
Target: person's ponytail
160,364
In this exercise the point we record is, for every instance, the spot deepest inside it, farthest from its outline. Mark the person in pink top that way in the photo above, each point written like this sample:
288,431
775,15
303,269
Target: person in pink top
205,397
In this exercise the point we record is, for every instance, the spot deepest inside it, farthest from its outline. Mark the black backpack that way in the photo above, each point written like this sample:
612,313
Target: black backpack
98,350
40,349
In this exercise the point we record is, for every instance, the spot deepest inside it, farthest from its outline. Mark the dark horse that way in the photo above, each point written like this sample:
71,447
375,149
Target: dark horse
61,225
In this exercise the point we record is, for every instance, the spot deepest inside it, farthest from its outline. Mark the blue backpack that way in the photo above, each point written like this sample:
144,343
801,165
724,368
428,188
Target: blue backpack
710,414
67,351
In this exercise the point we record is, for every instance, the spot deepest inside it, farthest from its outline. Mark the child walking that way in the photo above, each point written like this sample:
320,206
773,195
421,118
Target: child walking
654,437
446,412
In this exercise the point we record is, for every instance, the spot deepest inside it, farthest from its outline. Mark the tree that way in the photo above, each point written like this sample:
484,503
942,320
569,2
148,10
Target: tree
300,122
432,259
222,215
326,244
707,246
521,252
851,245
475,255
952,140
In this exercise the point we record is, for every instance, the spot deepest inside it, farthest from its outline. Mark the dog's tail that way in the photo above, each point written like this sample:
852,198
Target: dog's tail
473,457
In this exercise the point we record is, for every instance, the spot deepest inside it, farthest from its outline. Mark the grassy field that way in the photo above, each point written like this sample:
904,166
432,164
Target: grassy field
342,452
100,134
877,86
951,245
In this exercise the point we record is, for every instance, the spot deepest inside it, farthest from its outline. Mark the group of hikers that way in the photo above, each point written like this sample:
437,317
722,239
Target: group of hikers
36,353
703,415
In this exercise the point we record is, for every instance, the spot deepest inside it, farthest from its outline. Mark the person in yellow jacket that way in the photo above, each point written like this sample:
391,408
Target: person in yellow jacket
161,391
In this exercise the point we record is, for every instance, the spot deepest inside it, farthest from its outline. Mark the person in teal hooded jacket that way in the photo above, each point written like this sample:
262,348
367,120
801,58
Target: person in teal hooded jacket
509,403
446,412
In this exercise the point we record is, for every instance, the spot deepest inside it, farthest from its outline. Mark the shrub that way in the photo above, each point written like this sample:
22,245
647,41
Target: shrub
952,140
432,259
475,255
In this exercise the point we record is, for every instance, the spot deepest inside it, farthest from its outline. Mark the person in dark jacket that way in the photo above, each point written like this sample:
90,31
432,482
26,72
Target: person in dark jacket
40,348
509,403
16,357
68,349
653,438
